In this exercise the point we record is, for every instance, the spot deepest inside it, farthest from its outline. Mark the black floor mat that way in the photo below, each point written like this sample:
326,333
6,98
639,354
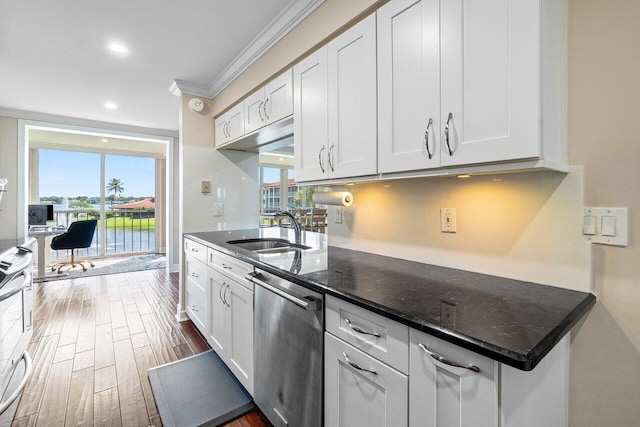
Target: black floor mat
198,391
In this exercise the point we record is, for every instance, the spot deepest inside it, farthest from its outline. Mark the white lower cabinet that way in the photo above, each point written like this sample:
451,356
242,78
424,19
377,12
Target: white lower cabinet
196,294
359,390
231,325
450,386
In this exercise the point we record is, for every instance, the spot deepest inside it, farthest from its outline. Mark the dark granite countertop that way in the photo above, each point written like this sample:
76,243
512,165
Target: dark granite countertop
511,321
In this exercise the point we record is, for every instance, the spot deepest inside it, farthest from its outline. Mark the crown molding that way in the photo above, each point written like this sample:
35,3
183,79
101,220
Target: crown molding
75,121
281,25
183,87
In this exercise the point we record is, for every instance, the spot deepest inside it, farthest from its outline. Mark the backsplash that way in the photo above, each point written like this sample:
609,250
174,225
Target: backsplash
524,226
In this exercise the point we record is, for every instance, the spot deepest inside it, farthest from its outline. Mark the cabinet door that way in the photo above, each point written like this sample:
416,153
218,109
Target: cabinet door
310,117
221,130
278,102
442,395
354,397
352,143
254,115
239,351
408,85
218,323
236,122
490,53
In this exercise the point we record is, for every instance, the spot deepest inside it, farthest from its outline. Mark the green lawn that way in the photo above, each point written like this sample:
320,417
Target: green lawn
144,224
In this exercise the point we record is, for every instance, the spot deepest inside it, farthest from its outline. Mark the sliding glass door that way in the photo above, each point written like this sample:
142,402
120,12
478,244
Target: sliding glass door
118,190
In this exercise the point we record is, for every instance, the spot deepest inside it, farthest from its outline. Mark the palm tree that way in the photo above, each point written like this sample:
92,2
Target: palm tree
115,187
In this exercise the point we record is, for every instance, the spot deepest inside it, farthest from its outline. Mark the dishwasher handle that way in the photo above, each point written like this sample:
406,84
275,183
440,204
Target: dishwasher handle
306,303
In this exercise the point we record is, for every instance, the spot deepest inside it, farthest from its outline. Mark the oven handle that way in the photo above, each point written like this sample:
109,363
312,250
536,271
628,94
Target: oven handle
27,374
8,293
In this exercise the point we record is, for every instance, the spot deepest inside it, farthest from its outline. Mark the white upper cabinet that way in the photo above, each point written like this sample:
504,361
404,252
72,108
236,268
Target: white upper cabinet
230,125
352,145
335,132
462,82
408,85
269,104
490,52
310,117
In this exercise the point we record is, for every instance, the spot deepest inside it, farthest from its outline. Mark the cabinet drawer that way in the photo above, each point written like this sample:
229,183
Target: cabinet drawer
361,391
196,272
196,306
195,249
382,338
230,267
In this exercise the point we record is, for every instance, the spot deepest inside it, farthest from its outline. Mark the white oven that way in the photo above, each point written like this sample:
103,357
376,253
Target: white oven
16,315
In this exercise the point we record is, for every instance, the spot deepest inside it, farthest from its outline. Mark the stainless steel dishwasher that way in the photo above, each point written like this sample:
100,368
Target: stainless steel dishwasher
288,349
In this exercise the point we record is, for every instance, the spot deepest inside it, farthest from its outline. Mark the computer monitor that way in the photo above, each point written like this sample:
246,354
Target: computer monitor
40,214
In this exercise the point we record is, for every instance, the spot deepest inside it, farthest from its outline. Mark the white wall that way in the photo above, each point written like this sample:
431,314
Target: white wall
8,169
523,226
234,181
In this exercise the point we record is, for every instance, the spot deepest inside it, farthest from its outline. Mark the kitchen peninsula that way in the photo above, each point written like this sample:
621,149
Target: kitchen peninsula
510,323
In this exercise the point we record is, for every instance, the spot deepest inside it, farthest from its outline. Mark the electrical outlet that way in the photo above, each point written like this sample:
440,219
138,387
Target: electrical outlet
337,215
447,313
448,220
205,187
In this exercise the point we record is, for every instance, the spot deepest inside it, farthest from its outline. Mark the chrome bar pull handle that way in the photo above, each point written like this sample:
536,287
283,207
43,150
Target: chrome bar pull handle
193,307
360,331
354,365
330,157
224,295
220,292
446,133
266,110
225,266
195,275
260,111
426,138
446,361
320,158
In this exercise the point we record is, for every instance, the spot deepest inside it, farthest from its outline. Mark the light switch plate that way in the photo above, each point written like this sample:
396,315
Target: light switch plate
337,215
610,226
218,209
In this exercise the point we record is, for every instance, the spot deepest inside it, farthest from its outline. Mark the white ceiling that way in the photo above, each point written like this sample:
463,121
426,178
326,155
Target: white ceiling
54,57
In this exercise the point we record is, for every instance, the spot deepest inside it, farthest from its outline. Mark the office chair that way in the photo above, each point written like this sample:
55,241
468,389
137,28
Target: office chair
79,235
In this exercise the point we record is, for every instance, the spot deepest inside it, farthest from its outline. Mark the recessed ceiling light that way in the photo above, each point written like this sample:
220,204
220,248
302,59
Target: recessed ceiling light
110,105
118,48
464,175
104,140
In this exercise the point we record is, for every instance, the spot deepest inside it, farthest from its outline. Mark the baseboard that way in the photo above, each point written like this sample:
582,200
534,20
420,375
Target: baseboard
181,316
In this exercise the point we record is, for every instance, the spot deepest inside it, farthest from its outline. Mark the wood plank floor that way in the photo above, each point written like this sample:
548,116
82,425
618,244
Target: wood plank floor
94,340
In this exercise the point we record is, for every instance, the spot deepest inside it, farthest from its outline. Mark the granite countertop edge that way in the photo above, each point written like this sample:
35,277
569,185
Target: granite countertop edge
518,360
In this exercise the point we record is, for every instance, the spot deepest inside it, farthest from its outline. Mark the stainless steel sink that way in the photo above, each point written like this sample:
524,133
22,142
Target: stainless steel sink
268,245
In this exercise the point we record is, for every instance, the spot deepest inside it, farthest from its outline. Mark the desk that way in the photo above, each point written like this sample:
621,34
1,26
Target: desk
41,235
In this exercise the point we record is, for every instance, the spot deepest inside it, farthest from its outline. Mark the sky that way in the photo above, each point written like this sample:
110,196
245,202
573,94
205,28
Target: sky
71,174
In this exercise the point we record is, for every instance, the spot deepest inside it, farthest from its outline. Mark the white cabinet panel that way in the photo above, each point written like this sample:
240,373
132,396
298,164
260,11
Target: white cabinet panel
352,149
231,325
408,85
443,395
230,125
310,113
278,94
354,397
491,69
239,350
217,309
254,111
270,103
